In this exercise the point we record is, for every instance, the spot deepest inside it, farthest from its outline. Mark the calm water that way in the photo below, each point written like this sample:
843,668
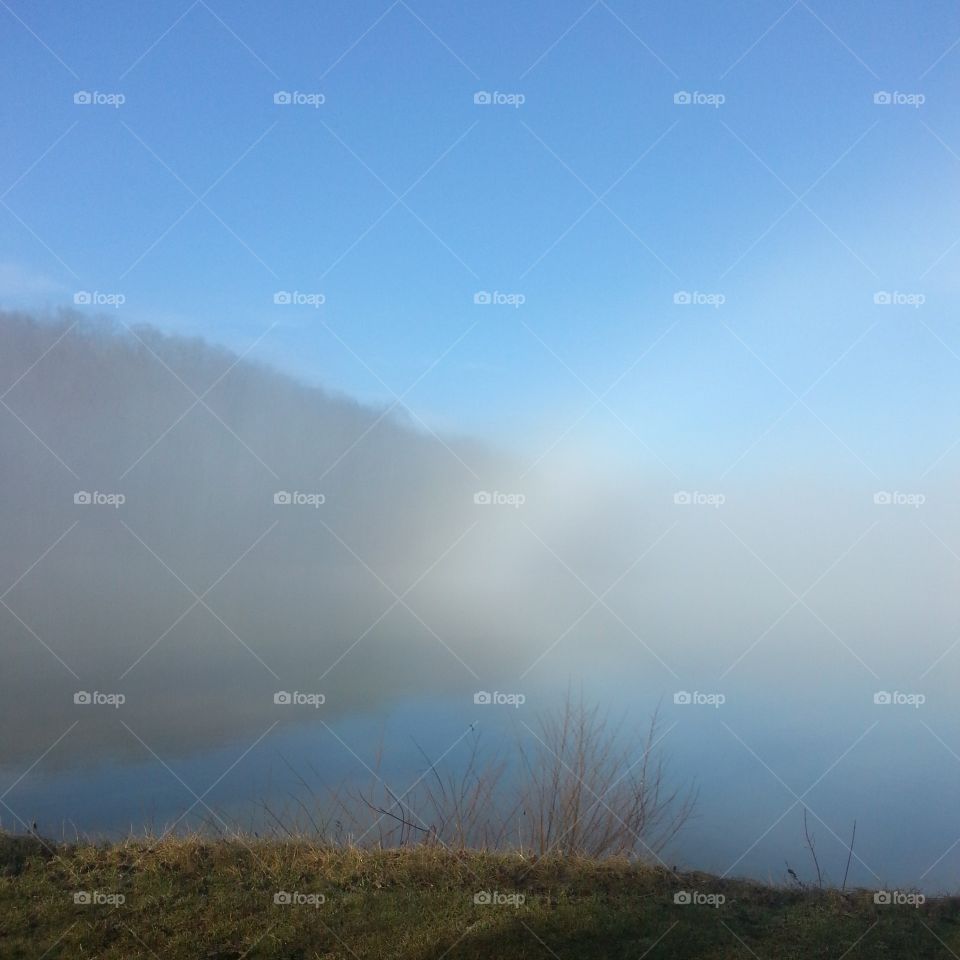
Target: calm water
897,780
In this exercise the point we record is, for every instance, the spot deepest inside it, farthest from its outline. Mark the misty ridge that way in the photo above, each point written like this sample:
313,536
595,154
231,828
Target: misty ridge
598,569
302,596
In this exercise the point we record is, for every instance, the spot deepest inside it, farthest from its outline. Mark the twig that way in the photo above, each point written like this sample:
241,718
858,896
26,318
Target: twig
849,855
813,851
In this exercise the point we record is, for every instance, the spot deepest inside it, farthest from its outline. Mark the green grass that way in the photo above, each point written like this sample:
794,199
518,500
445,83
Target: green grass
214,900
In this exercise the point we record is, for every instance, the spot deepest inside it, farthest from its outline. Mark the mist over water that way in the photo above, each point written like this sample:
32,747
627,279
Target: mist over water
274,538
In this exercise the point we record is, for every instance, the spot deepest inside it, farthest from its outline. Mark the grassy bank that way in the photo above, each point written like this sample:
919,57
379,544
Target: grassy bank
193,898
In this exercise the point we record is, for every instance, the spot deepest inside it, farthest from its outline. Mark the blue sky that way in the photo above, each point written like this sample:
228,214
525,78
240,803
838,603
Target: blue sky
598,199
